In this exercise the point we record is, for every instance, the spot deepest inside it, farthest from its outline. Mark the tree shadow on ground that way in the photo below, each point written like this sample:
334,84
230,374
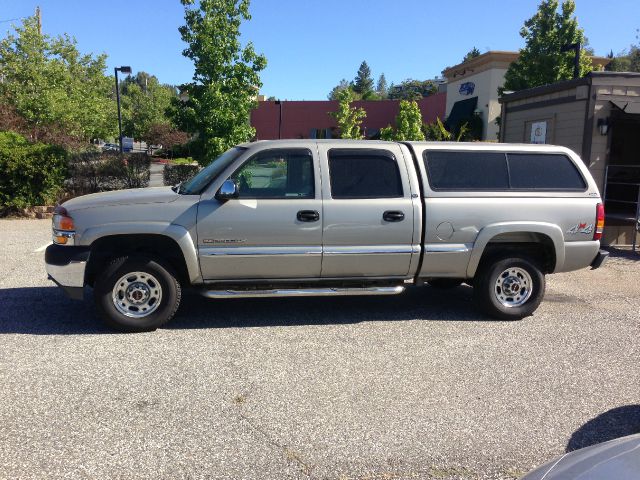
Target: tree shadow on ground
615,423
47,311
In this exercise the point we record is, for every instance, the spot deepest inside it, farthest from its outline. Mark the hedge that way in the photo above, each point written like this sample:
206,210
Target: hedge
92,172
174,174
30,173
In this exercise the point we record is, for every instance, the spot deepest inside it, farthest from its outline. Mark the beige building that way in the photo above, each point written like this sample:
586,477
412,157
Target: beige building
472,88
598,117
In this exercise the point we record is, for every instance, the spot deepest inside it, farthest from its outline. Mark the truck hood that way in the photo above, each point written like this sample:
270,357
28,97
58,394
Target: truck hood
134,196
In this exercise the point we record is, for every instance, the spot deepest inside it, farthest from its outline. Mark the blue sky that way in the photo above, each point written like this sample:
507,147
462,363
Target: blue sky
311,45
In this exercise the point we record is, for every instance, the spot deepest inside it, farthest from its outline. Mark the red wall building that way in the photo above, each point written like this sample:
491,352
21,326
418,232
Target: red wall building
311,119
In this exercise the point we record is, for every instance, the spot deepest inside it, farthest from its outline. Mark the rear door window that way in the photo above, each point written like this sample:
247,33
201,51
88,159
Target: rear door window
364,173
471,170
532,171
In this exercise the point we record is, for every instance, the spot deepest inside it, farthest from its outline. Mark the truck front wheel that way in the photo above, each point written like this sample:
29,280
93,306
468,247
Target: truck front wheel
509,288
137,294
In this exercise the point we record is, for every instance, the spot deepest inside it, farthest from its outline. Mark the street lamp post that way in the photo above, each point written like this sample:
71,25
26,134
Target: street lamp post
123,70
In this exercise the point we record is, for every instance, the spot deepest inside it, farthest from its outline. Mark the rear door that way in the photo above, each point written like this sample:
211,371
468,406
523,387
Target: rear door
368,228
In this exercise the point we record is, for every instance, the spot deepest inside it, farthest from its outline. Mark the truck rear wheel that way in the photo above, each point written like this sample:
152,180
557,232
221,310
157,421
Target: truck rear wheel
137,294
509,288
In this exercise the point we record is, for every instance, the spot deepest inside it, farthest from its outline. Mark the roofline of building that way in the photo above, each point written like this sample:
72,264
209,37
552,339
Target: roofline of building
491,55
563,85
501,56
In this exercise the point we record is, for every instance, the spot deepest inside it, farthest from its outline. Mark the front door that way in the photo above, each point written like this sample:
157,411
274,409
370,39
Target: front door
368,212
274,228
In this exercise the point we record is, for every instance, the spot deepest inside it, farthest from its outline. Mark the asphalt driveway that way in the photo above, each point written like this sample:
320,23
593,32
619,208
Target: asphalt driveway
412,386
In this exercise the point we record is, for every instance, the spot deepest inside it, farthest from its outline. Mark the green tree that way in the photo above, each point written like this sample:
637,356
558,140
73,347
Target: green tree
52,85
217,104
348,118
437,132
473,53
381,86
410,89
541,61
145,102
626,61
334,94
363,83
408,124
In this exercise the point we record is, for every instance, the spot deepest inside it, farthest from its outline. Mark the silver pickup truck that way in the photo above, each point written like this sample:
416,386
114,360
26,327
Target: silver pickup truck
335,217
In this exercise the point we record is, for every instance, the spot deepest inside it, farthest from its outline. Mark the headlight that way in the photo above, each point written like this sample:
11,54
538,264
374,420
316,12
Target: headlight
63,227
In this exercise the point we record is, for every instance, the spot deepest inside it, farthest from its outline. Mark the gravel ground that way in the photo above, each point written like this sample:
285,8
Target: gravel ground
413,386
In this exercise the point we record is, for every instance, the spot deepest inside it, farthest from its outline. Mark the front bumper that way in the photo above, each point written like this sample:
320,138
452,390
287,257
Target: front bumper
66,267
601,257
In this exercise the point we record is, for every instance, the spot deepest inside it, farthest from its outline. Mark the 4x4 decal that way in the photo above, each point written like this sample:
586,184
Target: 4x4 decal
581,228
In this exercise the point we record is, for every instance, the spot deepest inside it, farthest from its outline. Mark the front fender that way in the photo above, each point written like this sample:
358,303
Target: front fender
177,233
490,231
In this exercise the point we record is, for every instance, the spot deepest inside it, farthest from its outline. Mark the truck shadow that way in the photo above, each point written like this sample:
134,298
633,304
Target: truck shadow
47,311
615,423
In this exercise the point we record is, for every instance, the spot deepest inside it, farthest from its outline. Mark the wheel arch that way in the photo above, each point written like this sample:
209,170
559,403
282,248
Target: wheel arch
171,243
543,242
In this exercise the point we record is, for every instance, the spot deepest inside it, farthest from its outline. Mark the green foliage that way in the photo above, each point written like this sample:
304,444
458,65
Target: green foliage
437,132
541,61
625,61
335,91
182,161
30,173
348,118
91,172
50,84
363,83
178,173
226,80
473,53
410,89
381,86
144,104
408,124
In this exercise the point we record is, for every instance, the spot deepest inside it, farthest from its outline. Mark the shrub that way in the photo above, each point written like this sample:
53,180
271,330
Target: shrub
30,173
174,174
183,161
92,172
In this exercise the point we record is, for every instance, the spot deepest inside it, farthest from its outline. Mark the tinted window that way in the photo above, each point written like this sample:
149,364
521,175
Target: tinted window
364,174
467,170
277,174
544,171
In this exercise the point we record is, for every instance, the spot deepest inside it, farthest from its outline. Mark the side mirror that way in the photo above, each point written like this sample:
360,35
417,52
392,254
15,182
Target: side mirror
227,191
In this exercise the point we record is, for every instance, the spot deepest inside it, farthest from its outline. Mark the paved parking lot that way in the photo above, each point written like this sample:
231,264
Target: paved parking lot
412,386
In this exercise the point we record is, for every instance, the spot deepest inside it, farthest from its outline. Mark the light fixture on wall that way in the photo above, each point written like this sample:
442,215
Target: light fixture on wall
603,125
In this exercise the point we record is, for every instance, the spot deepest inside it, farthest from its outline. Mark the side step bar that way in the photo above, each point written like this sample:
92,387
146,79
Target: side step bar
301,292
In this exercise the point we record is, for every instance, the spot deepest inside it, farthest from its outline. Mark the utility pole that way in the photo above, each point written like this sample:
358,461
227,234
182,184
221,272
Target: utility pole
126,69
39,18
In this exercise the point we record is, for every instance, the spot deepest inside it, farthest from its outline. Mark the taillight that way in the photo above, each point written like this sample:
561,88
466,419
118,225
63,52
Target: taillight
597,234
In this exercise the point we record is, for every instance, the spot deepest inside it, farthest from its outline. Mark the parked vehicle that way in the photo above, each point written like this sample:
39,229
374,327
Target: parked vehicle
617,459
335,217
110,147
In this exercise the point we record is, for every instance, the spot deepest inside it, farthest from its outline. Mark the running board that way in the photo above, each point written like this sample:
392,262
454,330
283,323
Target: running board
301,292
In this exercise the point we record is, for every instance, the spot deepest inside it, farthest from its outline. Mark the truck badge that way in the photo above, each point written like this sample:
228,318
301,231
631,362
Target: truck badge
581,228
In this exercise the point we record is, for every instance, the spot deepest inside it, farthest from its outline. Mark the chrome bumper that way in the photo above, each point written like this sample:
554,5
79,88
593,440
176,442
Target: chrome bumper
66,267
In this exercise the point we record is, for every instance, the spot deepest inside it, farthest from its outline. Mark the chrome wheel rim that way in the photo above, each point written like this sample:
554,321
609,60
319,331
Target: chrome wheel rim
137,294
513,287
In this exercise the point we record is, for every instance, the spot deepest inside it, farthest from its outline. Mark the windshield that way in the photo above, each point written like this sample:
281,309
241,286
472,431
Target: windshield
199,182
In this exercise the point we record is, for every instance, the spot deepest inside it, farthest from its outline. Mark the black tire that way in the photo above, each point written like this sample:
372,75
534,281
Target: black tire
486,292
445,283
161,313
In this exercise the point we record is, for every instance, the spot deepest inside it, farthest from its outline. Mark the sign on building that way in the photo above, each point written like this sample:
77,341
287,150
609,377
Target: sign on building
539,132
